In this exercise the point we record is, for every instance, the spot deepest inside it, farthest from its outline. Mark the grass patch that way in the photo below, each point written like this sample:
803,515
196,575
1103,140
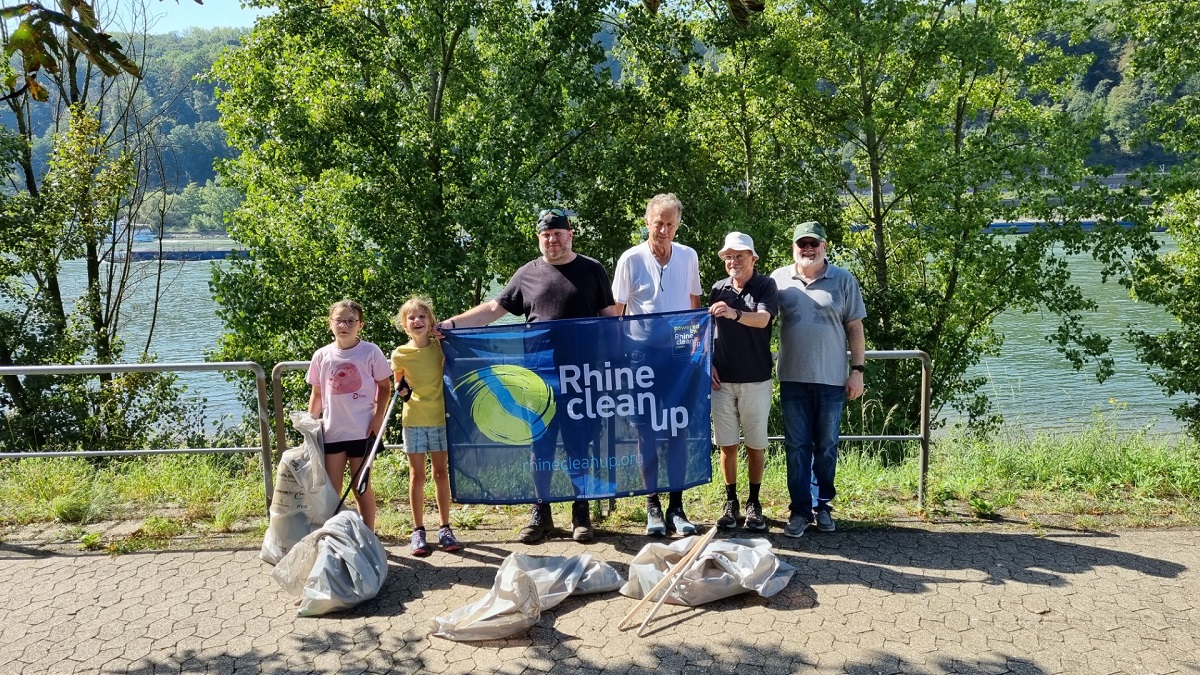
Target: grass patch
1097,476
156,532
196,483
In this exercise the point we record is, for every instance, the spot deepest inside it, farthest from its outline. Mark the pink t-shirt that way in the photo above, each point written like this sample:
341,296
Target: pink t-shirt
347,378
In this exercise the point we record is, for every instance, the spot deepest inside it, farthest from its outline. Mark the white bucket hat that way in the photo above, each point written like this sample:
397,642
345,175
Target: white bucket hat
738,241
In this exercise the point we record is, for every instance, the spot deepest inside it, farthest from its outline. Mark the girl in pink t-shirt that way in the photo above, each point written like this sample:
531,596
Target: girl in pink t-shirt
351,381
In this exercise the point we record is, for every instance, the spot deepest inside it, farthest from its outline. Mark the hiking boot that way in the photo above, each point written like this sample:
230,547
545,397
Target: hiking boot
419,547
655,525
754,517
540,524
678,522
730,515
825,521
581,520
796,526
447,540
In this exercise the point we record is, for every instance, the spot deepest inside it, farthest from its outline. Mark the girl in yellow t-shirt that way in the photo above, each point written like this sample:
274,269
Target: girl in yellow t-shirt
419,361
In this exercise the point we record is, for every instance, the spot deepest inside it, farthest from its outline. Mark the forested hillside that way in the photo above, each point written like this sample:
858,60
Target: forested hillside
178,103
184,104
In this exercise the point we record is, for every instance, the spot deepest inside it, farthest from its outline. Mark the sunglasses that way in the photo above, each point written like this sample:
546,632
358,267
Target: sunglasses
808,243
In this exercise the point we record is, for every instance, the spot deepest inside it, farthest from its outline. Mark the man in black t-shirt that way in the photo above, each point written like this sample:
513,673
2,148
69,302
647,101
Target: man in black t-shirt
744,305
561,284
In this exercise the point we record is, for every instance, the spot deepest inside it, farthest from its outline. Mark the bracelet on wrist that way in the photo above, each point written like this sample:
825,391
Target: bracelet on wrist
738,315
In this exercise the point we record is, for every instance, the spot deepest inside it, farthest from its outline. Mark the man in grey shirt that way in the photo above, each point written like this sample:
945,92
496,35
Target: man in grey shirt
820,313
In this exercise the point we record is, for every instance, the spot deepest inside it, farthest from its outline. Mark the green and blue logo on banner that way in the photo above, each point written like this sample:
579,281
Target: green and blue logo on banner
579,408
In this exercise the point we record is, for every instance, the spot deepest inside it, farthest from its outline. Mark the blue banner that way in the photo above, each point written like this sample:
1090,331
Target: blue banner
579,408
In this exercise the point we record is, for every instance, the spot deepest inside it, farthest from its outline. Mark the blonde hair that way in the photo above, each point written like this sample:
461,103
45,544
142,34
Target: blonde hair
417,302
346,304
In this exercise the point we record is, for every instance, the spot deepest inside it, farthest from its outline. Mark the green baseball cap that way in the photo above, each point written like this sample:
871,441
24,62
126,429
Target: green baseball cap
810,228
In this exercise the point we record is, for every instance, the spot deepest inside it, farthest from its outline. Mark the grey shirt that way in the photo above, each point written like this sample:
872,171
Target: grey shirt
812,321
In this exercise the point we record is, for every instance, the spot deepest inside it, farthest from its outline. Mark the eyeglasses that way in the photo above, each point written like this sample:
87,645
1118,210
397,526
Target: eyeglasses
736,257
345,322
808,243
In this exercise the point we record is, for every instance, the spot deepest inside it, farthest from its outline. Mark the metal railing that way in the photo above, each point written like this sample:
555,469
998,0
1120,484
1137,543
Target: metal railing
277,391
888,355
923,437
281,420
99,369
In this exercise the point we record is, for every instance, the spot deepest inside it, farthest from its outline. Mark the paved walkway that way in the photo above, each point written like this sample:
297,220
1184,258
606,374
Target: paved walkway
928,600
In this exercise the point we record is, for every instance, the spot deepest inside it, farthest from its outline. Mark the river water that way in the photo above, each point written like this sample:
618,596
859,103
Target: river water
1029,382
1033,386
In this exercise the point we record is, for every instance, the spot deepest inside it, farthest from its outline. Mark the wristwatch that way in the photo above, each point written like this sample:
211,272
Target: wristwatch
862,368
738,316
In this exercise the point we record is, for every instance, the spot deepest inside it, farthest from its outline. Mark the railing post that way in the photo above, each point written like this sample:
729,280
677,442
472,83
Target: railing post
926,402
264,430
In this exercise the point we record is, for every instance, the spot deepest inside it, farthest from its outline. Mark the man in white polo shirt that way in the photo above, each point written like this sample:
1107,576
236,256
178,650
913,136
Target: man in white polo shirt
659,276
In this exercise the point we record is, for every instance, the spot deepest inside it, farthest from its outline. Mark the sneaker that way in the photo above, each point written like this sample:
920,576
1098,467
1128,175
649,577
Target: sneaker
447,540
581,520
825,521
754,517
677,521
655,525
419,547
730,515
796,527
540,524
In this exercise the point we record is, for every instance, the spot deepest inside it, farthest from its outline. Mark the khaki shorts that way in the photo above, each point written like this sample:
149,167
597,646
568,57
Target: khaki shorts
748,401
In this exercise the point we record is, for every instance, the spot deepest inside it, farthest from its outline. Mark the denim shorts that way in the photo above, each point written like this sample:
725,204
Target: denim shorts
420,440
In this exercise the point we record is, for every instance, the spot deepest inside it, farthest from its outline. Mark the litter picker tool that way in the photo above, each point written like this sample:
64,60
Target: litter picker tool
362,478
667,584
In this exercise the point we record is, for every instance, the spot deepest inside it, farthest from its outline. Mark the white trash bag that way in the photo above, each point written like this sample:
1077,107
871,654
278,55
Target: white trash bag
339,566
525,586
725,568
303,497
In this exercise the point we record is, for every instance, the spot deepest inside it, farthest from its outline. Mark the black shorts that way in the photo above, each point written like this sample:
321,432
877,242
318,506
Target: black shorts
358,448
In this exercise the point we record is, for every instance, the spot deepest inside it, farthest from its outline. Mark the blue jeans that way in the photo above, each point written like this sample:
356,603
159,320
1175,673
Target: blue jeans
812,418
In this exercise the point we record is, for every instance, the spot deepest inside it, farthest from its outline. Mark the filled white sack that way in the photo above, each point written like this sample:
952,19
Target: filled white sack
303,496
525,586
725,568
341,565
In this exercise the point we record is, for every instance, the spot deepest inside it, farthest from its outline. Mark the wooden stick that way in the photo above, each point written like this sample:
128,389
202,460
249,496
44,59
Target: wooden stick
667,593
667,577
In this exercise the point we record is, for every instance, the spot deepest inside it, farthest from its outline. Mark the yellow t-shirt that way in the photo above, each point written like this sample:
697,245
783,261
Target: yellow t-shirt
422,367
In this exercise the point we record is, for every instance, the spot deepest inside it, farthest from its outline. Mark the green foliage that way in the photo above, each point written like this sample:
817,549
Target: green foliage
43,34
74,217
392,150
203,485
67,490
92,541
1168,57
466,518
158,527
197,209
934,120
225,488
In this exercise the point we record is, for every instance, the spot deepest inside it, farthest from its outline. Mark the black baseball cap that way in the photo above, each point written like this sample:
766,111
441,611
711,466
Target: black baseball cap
553,219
